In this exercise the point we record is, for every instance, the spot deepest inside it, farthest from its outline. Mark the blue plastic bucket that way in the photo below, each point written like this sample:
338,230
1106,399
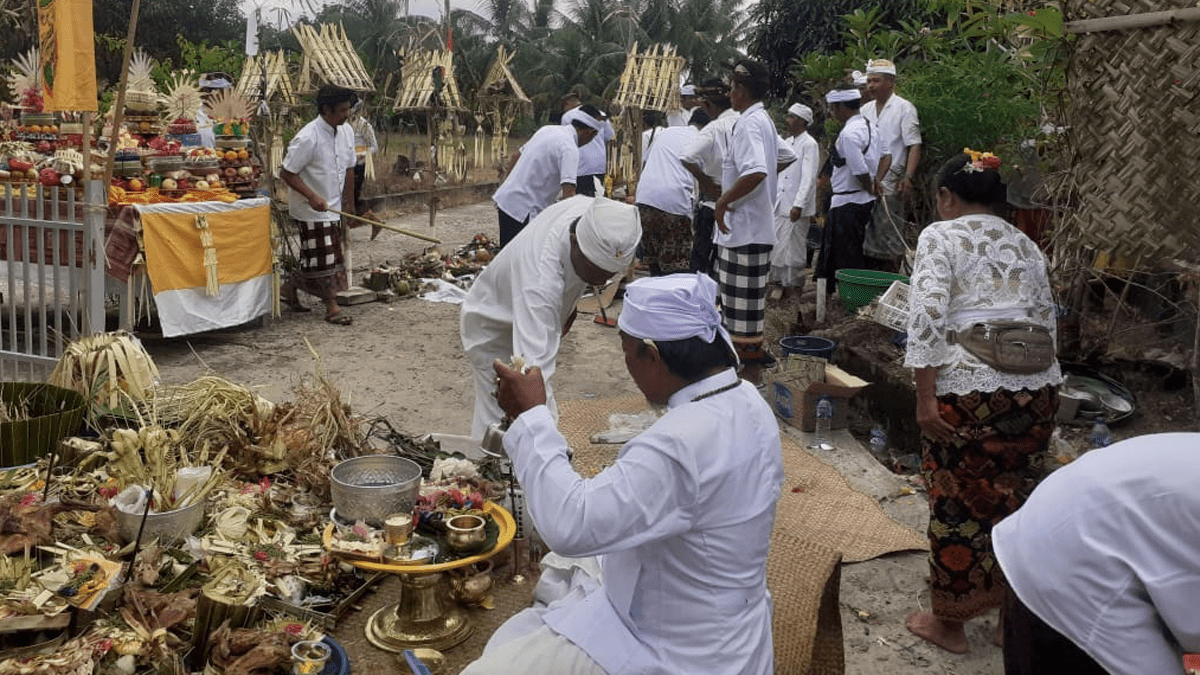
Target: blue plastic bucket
809,345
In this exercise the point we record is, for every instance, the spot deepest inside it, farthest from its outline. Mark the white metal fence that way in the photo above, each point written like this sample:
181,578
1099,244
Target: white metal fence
51,274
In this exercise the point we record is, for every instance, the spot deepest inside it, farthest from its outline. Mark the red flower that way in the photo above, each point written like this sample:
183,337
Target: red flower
293,629
260,556
992,162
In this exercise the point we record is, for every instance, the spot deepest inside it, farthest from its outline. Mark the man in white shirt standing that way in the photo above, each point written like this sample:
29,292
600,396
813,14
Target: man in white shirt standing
687,103
895,120
523,303
319,169
593,157
547,163
1103,563
745,216
669,544
704,159
795,202
364,144
664,200
855,162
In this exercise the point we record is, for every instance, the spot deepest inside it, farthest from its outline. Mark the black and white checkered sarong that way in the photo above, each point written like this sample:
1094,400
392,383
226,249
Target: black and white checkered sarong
742,278
322,268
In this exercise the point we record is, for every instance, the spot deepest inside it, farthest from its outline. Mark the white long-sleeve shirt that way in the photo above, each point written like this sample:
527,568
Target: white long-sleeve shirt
707,151
682,521
1106,551
523,298
593,156
898,127
798,182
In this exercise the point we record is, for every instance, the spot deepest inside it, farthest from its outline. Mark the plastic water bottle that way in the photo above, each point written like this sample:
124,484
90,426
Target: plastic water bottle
824,417
879,444
1101,436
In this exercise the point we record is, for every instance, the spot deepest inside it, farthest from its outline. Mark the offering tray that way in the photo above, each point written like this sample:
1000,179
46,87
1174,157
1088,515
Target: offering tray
425,615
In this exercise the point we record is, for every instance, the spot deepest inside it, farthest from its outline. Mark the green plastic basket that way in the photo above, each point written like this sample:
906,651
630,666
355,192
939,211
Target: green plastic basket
54,414
858,288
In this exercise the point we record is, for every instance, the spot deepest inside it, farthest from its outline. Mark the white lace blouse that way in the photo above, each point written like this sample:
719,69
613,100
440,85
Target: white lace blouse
975,268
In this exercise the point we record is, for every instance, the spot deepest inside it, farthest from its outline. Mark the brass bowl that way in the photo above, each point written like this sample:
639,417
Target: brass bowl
465,533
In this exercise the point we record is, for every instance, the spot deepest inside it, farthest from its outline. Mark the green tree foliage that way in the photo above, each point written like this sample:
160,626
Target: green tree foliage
159,26
785,29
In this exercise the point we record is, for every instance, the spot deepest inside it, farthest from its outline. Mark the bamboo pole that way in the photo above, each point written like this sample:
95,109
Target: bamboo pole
119,110
1130,21
385,226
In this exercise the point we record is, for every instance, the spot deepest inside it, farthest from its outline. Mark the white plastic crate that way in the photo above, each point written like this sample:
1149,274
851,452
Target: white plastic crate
892,307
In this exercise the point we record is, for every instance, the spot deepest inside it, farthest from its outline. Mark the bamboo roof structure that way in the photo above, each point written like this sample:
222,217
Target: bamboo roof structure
329,58
650,80
272,65
499,83
416,90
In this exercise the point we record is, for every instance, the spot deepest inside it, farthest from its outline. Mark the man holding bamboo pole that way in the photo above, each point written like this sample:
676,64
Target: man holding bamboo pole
319,169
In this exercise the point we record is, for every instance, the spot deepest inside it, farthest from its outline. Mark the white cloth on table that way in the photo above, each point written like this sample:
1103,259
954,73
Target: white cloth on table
682,522
664,183
797,189
1105,552
898,127
708,150
184,311
519,304
858,145
975,268
593,157
754,147
549,160
320,155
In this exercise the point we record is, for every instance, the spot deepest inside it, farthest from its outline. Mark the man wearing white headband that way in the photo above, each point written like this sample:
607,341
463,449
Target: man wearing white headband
593,157
682,116
523,303
859,78
855,159
795,202
682,521
547,163
895,120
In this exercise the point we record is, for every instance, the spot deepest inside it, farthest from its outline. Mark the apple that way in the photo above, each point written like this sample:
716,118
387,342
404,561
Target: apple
201,185
169,184
230,172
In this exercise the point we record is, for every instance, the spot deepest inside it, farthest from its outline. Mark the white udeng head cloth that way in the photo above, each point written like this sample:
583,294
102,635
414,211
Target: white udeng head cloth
673,307
608,234
842,96
802,111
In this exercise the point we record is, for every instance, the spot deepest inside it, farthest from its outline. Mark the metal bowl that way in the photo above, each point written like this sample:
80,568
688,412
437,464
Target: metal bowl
168,527
372,488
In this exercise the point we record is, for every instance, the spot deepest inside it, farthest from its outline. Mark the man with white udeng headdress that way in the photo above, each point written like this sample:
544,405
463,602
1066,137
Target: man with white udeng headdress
895,120
682,521
795,201
523,303
546,164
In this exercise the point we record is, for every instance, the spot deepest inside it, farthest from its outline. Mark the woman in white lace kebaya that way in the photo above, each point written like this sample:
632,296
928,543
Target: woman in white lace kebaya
985,433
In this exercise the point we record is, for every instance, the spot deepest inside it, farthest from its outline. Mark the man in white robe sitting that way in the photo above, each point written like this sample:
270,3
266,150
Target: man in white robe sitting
680,524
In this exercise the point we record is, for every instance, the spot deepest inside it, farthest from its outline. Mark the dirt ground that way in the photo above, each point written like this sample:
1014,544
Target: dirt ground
404,360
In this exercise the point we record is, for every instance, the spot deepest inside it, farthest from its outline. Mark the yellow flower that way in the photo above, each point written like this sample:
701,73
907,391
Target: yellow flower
973,154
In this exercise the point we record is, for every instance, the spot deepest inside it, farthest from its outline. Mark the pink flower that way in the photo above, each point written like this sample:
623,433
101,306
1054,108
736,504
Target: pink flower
261,556
293,629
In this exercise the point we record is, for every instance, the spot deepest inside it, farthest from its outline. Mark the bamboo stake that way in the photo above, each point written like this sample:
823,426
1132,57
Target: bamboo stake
119,110
385,226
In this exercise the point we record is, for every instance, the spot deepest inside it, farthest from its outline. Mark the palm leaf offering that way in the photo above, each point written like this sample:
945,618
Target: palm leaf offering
182,99
227,104
108,369
24,74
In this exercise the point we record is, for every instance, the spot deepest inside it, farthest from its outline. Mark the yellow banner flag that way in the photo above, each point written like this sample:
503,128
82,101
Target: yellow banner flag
68,57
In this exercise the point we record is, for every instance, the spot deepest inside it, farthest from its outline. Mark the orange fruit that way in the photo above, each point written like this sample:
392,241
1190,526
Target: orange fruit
34,129
144,126
242,154
231,156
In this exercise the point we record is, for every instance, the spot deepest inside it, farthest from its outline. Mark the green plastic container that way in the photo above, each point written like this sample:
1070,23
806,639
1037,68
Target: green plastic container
54,413
857,288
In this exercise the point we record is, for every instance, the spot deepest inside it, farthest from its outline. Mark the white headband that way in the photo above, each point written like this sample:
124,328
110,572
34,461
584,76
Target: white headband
802,111
673,307
842,96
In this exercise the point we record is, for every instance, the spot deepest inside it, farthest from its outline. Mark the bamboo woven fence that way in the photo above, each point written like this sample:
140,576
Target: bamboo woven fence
416,88
1134,85
272,66
329,58
650,81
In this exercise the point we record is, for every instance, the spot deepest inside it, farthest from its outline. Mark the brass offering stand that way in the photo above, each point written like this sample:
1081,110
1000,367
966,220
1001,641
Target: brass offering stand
426,615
